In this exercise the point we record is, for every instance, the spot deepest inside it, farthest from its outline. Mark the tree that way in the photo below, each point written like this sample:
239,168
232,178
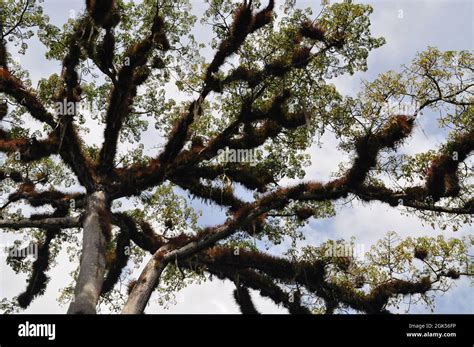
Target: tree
256,106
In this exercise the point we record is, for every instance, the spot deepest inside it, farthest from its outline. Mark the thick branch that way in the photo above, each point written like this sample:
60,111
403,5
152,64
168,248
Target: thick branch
47,223
144,287
38,279
244,300
30,150
124,91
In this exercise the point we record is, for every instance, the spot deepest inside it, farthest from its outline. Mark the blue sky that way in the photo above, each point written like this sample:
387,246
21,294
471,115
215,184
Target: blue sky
446,24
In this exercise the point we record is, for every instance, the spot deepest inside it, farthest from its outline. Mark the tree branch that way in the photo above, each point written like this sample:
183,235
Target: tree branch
47,223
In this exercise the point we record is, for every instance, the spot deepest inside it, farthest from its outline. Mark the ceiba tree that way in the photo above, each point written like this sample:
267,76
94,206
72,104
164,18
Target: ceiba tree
127,67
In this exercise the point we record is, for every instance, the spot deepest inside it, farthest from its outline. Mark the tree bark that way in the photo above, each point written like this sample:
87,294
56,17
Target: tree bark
150,275
93,259
63,222
146,283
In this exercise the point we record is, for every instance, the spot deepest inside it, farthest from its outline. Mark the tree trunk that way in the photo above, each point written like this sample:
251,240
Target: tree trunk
92,269
145,285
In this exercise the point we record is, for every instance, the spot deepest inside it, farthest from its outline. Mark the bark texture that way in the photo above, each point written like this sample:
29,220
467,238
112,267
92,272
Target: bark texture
144,287
93,259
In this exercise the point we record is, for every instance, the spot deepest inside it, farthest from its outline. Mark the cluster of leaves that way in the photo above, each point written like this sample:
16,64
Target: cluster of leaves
263,84
390,259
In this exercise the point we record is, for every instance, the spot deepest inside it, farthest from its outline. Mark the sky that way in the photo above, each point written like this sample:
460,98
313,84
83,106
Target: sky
408,27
